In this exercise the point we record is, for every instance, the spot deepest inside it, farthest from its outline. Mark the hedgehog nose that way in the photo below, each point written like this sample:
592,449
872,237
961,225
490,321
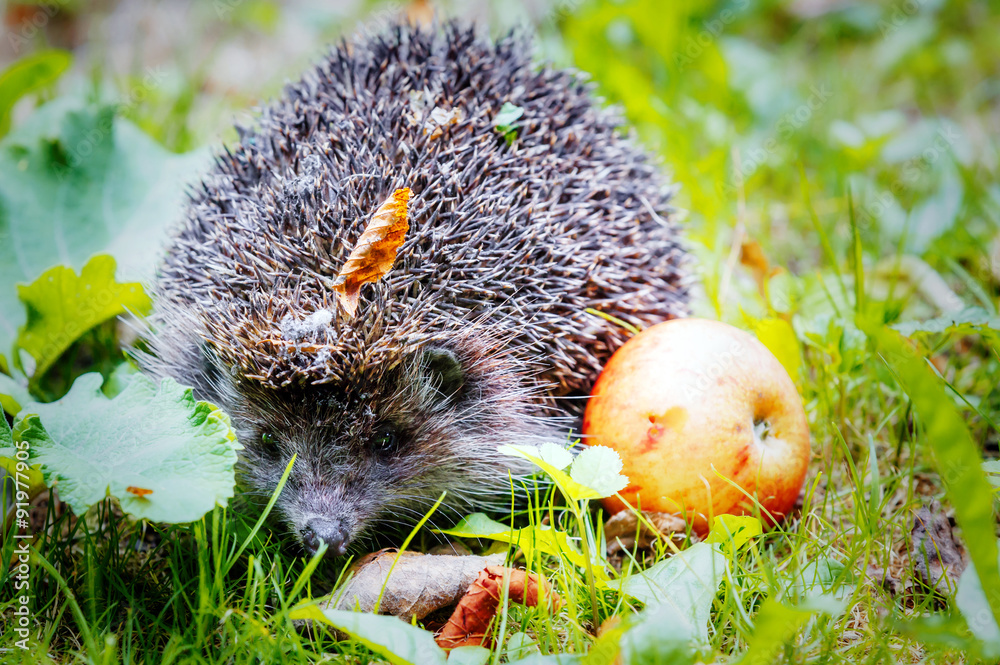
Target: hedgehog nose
328,531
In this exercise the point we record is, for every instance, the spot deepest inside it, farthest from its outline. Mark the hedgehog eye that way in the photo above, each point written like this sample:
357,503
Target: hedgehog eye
267,439
386,441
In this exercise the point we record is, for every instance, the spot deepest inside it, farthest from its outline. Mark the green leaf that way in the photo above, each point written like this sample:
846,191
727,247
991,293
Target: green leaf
607,646
542,538
599,468
662,634
735,529
573,490
152,437
555,455
396,641
27,479
63,305
506,119
956,453
779,338
520,645
75,182
30,73
972,602
688,581
550,659
992,469
469,656
12,394
968,321
6,438
119,379
774,626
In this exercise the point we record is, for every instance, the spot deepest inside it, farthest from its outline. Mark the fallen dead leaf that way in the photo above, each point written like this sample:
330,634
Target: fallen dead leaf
419,584
623,532
753,258
938,556
375,251
470,622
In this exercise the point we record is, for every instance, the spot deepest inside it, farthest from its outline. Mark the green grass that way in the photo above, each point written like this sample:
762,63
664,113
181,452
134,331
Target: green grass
858,151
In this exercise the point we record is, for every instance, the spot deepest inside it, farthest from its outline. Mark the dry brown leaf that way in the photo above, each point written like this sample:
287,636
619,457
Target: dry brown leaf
419,584
621,529
753,258
375,251
420,12
938,556
470,622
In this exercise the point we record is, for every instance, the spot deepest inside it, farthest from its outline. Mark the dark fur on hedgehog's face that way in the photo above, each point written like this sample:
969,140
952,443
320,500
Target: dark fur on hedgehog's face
372,452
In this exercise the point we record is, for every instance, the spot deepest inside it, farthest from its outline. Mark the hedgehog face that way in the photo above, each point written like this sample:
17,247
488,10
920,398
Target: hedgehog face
381,450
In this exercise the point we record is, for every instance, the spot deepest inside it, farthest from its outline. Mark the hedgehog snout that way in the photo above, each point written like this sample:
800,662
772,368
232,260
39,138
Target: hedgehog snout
320,530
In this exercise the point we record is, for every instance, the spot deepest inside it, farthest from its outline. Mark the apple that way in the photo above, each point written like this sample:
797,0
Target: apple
698,409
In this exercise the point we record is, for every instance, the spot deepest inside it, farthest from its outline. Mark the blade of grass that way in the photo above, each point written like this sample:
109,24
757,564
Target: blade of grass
260,521
956,454
81,621
859,266
824,239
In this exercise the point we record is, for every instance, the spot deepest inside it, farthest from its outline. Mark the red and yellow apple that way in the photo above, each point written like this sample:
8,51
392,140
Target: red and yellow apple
701,412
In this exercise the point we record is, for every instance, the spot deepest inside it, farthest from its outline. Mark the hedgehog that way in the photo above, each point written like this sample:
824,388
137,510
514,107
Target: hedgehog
529,249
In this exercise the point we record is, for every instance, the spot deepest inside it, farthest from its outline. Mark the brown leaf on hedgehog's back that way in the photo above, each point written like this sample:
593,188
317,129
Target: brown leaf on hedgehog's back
470,622
375,251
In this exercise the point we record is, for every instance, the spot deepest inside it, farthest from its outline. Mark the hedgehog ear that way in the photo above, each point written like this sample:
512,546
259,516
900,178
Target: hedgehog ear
442,369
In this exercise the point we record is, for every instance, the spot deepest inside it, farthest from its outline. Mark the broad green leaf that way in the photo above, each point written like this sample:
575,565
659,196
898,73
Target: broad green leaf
956,454
779,338
520,645
735,529
662,634
992,469
688,581
543,538
608,645
469,656
119,379
555,455
972,602
396,641
150,437
599,468
30,73
968,321
63,305
478,525
27,478
506,119
550,659
74,182
12,394
940,629
6,437
573,490
774,625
